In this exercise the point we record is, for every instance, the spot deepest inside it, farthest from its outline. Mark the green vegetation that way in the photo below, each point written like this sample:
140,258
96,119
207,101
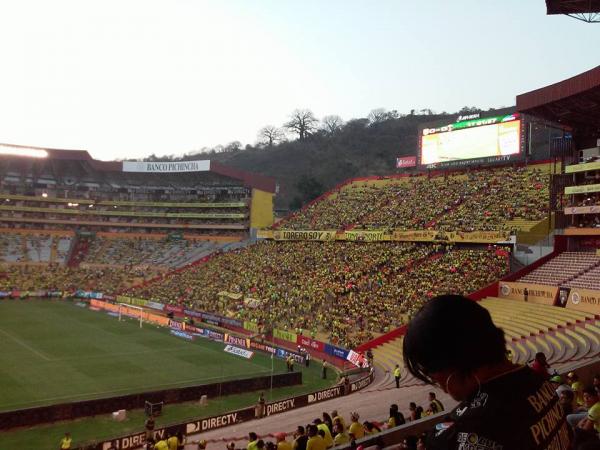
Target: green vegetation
309,154
56,352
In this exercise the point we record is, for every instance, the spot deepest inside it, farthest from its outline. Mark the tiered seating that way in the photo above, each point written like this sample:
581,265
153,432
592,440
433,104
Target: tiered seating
480,200
38,248
563,268
562,334
152,252
587,280
11,247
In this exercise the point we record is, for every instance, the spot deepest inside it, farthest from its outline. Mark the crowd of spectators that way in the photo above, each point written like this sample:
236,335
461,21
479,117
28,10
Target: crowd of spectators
53,277
339,291
472,201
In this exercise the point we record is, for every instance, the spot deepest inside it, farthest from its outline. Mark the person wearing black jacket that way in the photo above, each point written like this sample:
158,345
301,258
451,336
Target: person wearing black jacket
453,343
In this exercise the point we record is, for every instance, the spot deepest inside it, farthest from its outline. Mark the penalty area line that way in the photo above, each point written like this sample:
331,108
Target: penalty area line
25,345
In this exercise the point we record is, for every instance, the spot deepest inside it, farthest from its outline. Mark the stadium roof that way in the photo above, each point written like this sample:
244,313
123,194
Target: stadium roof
249,179
574,102
586,10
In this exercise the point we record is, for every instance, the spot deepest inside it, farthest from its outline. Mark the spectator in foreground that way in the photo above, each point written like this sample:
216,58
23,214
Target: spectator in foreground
282,444
540,365
315,441
252,441
396,417
453,343
415,411
300,438
588,428
356,428
435,406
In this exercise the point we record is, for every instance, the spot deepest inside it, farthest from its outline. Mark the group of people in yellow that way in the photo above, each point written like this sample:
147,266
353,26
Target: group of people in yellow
473,201
343,292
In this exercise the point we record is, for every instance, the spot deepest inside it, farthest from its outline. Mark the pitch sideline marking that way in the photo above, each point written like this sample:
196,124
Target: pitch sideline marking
124,389
25,345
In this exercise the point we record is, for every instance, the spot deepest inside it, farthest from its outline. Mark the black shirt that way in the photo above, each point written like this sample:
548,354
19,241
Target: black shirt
515,411
301,442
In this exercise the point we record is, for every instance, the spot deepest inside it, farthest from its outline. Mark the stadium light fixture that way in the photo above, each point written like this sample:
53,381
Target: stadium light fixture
19,151
44,194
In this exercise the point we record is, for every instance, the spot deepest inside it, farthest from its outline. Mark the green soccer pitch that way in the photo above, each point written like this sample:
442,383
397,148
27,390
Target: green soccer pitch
55,352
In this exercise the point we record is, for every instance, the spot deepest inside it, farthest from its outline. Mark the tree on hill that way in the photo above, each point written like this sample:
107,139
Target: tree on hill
302,122
270,135
332,124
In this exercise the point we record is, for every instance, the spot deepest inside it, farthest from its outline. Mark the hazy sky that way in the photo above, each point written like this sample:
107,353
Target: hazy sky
129,78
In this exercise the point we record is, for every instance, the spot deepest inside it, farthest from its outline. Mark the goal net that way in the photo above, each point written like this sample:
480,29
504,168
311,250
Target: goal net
135,312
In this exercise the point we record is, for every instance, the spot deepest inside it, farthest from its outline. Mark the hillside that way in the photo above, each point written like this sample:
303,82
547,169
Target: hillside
306,168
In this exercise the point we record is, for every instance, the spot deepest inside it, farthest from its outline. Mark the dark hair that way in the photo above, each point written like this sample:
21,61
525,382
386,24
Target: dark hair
590,390
300,429
252,435
452,332
260,444
569,394
312,430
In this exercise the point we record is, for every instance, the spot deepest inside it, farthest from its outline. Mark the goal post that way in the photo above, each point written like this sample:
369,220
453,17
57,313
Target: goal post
123,307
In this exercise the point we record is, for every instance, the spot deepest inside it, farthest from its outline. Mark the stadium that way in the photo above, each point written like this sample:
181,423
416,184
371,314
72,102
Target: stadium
141,300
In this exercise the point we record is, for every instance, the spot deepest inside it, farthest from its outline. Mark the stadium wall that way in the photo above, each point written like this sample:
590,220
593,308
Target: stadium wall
75,410
197,426
261,209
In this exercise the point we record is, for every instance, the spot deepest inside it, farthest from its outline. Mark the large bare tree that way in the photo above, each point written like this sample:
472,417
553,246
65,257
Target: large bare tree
270,135
302,122
332,124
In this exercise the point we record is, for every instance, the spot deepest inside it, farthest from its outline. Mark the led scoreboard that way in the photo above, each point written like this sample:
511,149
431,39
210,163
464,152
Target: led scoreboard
471,138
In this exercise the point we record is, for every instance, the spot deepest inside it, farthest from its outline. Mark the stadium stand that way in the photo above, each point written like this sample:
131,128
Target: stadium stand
587,280
153,252
486,199
343,292
563,268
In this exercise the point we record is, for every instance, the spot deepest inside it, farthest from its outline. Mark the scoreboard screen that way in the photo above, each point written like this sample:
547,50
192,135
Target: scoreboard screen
468,139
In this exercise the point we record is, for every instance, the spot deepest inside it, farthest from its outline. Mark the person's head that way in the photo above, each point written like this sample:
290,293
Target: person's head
412,406
334,413
252,436
312,430
431,396
317,421
540,357
271,445
566,397
572,377
300,430
338,428
354,417
202,444
321,433
231,446
590,396
260,444
393,409
596,380
449,340
326,417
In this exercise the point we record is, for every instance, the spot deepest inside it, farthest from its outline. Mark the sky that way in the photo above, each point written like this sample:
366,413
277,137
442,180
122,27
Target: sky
128,78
